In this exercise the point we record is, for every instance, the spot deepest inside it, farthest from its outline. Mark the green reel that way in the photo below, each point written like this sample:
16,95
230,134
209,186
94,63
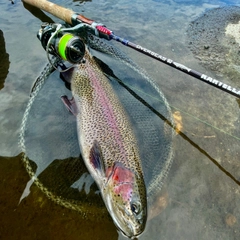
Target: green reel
60,42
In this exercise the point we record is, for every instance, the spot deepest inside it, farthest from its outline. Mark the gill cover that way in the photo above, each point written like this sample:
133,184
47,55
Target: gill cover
124,197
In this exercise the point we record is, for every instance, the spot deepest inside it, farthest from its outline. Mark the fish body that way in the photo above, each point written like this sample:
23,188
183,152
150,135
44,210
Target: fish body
109,147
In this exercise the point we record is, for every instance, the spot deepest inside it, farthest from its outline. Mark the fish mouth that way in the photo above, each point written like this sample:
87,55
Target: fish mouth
131,234
130,228
129,231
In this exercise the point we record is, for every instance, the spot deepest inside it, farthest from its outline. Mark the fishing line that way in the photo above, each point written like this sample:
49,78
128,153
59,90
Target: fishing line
110,50
187,113
184,136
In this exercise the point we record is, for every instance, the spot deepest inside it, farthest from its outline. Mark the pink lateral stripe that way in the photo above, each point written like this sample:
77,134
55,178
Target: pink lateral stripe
108,111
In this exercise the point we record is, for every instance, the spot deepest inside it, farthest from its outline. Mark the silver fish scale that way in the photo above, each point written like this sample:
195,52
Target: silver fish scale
102,117
158,139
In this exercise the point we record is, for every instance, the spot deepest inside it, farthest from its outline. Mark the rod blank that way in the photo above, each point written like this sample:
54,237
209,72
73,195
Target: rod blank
202,77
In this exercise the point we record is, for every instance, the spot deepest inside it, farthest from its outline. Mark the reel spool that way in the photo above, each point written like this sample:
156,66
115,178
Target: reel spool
71,48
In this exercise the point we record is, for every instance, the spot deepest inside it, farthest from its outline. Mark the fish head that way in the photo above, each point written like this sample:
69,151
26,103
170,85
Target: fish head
125,197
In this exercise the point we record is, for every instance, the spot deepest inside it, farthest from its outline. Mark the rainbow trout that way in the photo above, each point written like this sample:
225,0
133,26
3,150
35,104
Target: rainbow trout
108,146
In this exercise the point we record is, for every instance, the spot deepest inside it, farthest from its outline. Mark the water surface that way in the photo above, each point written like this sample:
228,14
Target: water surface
203,183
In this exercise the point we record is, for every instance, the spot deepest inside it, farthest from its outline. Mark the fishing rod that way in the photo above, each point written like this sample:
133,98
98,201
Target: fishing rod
102,31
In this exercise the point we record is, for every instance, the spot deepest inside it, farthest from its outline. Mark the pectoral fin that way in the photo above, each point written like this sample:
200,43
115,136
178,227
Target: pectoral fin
96,159
70,104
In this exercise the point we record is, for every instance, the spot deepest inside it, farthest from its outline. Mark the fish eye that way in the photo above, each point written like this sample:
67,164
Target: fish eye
135,207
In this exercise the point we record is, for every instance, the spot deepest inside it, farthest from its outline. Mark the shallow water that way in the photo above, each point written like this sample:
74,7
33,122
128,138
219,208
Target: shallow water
203,184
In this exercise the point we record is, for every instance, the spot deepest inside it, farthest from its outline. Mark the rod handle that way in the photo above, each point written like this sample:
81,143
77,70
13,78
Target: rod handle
52,8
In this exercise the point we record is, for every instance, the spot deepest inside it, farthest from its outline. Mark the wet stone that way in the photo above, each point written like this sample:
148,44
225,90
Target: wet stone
208,32
231,220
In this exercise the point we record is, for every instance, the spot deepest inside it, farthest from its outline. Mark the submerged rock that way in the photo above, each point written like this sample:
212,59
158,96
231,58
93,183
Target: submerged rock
210,41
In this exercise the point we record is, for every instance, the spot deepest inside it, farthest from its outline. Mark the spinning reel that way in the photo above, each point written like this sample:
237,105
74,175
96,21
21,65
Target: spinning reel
62,42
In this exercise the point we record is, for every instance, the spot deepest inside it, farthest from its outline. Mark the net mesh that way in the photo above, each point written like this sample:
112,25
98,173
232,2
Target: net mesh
49,142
